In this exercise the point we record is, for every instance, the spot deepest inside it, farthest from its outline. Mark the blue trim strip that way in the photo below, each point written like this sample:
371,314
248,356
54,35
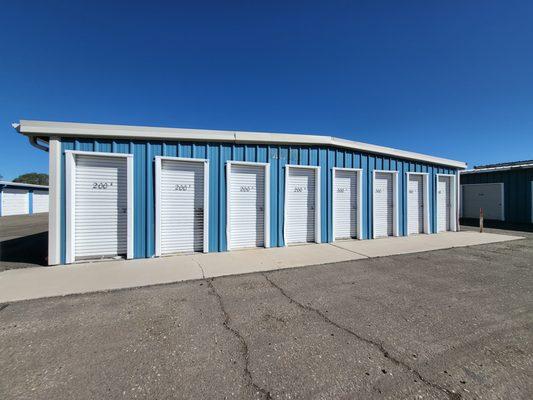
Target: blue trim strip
30,201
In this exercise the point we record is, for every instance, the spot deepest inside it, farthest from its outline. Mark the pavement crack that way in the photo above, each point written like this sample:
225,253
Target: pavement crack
378,345
3,306
200,266
351,251
244,346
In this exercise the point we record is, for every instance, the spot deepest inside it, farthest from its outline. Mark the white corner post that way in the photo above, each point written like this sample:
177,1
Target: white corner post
285,199
206,207
267,205
360,204
426,204
455,209
318,219
395,210
54,214
228,211
130,204
158,206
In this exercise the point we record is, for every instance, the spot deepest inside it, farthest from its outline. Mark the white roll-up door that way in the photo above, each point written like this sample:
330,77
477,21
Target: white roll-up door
300,206
345,204
182,206
443,203
247,206
15,202
40,201
415,204
383,204
488,196
101,213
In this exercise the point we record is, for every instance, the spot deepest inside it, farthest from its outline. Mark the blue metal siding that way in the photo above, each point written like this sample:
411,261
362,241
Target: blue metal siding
517,191
278,156
30,202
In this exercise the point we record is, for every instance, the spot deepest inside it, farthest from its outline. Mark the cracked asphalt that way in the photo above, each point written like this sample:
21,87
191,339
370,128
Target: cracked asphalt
448,324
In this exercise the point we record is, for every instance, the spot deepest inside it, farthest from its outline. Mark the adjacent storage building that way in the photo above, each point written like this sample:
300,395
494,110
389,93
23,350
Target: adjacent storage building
504,192
142,192
22,198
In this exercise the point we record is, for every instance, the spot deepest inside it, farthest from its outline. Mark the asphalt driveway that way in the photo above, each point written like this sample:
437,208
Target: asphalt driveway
447,324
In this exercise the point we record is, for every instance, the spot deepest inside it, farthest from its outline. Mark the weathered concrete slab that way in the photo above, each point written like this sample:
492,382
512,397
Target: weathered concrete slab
257,260
39,282
419,243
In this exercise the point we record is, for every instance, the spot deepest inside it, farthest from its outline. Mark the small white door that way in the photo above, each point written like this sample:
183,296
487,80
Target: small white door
488,196
300,206
15,202
247,206
182,206
415,204
345,204
383,204
443,203
40,201
101,206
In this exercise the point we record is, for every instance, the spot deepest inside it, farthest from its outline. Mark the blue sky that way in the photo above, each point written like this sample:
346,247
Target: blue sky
453,79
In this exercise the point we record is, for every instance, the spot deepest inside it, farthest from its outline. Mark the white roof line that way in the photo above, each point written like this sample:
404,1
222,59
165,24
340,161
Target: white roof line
496,169
71,129
23,184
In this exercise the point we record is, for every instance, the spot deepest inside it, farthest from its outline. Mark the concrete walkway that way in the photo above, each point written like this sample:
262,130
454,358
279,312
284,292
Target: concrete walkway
39,282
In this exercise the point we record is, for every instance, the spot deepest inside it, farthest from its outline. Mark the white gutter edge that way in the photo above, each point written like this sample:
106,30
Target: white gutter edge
29,185
496,169
71,129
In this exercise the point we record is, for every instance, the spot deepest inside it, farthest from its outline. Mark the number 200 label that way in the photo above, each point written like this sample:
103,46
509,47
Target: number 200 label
102,185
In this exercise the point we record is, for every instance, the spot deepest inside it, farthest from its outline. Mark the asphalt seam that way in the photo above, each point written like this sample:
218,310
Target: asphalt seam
451,394
266,394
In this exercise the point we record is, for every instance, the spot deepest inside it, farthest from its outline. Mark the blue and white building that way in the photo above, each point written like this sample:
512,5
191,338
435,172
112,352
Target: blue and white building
22,198
143,192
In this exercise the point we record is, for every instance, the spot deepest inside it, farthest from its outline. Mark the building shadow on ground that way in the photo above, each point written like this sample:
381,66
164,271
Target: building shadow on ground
498,225
23,252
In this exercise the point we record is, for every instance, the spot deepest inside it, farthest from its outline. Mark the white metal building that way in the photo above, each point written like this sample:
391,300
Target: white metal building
22,198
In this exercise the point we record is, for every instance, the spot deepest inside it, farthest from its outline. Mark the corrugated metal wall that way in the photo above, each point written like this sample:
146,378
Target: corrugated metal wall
30,193
218,153
517,191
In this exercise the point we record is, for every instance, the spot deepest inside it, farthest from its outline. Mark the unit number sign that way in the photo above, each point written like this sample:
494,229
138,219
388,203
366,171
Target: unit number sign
247,188
341,190
101,185
182,187
300,189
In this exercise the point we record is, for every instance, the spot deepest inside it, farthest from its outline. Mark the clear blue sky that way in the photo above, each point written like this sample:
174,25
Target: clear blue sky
448,78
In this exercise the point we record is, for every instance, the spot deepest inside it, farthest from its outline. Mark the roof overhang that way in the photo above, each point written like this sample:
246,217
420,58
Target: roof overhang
43,129
26,185
497,169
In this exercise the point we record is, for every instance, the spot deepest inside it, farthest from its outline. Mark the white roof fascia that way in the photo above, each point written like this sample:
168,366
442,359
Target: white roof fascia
497,169
71,129
30,185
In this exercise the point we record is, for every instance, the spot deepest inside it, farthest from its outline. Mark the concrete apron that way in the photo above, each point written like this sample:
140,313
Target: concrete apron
39,282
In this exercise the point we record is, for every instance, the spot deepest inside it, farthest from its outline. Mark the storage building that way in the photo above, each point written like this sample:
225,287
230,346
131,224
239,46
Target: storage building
22,198
142,192
504,192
